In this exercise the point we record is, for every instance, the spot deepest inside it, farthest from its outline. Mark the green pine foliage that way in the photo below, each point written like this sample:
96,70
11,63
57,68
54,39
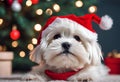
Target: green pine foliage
25,21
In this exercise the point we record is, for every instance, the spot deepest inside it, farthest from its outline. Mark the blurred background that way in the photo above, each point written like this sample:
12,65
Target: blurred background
22,20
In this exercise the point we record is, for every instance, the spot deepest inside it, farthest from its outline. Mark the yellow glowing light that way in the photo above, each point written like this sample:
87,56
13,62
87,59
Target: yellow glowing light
92,9
39,11
1,21
14,43
1,48
22,54
49,11
28,3
30,46
34,41
56,7
78,3
37,27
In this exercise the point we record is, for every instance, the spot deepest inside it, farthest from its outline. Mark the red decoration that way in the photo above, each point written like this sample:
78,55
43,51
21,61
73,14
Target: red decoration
10,2
60,76
113,64
35,1
15,34
20,1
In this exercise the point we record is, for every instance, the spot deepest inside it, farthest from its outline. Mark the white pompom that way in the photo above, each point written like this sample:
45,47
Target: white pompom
106,22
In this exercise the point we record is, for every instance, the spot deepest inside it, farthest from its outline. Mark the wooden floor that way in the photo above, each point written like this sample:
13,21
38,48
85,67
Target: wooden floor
17,78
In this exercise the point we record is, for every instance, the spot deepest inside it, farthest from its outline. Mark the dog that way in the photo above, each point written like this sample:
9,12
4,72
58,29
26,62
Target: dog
68,49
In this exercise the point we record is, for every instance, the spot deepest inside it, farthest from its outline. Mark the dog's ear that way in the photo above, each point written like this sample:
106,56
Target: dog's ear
37,54
94,52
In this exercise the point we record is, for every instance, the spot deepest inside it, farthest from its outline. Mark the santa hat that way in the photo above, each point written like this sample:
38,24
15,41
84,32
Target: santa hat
105,23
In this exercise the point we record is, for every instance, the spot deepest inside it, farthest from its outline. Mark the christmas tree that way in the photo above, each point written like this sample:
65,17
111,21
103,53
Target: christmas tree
22,20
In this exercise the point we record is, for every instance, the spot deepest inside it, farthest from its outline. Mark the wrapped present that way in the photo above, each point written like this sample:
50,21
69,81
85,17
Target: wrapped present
6,63
113,64
112,61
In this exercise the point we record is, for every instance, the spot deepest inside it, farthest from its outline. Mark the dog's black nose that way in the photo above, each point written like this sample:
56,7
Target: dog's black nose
66,45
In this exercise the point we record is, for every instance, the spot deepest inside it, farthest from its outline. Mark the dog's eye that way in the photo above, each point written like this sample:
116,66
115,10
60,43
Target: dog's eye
77,38
57,36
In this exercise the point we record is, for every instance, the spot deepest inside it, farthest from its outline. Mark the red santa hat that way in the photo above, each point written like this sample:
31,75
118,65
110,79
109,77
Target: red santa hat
105,23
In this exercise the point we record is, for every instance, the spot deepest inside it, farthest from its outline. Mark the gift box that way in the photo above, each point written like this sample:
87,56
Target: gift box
6,63
113,64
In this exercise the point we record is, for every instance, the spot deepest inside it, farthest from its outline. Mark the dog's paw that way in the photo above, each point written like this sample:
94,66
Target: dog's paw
81,78
29,77
33,77
57,81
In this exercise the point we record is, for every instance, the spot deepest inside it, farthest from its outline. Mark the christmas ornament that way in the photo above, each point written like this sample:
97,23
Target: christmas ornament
15,34
20,1
16,6
10,2
35,1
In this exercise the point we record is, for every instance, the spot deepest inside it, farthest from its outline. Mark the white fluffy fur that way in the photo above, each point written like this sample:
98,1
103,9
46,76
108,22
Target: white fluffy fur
86,54
106,22
65,22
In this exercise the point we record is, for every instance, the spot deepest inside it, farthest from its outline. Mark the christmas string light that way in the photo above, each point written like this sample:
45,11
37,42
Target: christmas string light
34,41
78,3
14,43
92,9
28,3
56,7
49,11
30,47
39,11
37,27
1,21
22,54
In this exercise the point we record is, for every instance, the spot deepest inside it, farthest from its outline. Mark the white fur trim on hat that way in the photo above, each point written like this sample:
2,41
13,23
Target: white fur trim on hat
65,22
106,22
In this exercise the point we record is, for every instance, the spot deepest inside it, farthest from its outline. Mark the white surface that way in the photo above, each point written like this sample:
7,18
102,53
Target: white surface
17,78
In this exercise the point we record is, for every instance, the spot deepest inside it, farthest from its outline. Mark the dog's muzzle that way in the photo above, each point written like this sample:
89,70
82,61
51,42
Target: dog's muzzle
66,46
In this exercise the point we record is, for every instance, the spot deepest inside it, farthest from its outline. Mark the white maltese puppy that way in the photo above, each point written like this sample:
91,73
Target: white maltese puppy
68,49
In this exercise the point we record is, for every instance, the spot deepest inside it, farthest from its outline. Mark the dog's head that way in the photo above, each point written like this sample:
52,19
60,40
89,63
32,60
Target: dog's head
67,44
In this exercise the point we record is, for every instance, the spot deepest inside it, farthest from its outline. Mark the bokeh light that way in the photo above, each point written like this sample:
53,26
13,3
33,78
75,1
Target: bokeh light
49,11
56,7
22,54
78,3
28,3
1,21
37,27
30,47
14,43
39,11
92,9
34,41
